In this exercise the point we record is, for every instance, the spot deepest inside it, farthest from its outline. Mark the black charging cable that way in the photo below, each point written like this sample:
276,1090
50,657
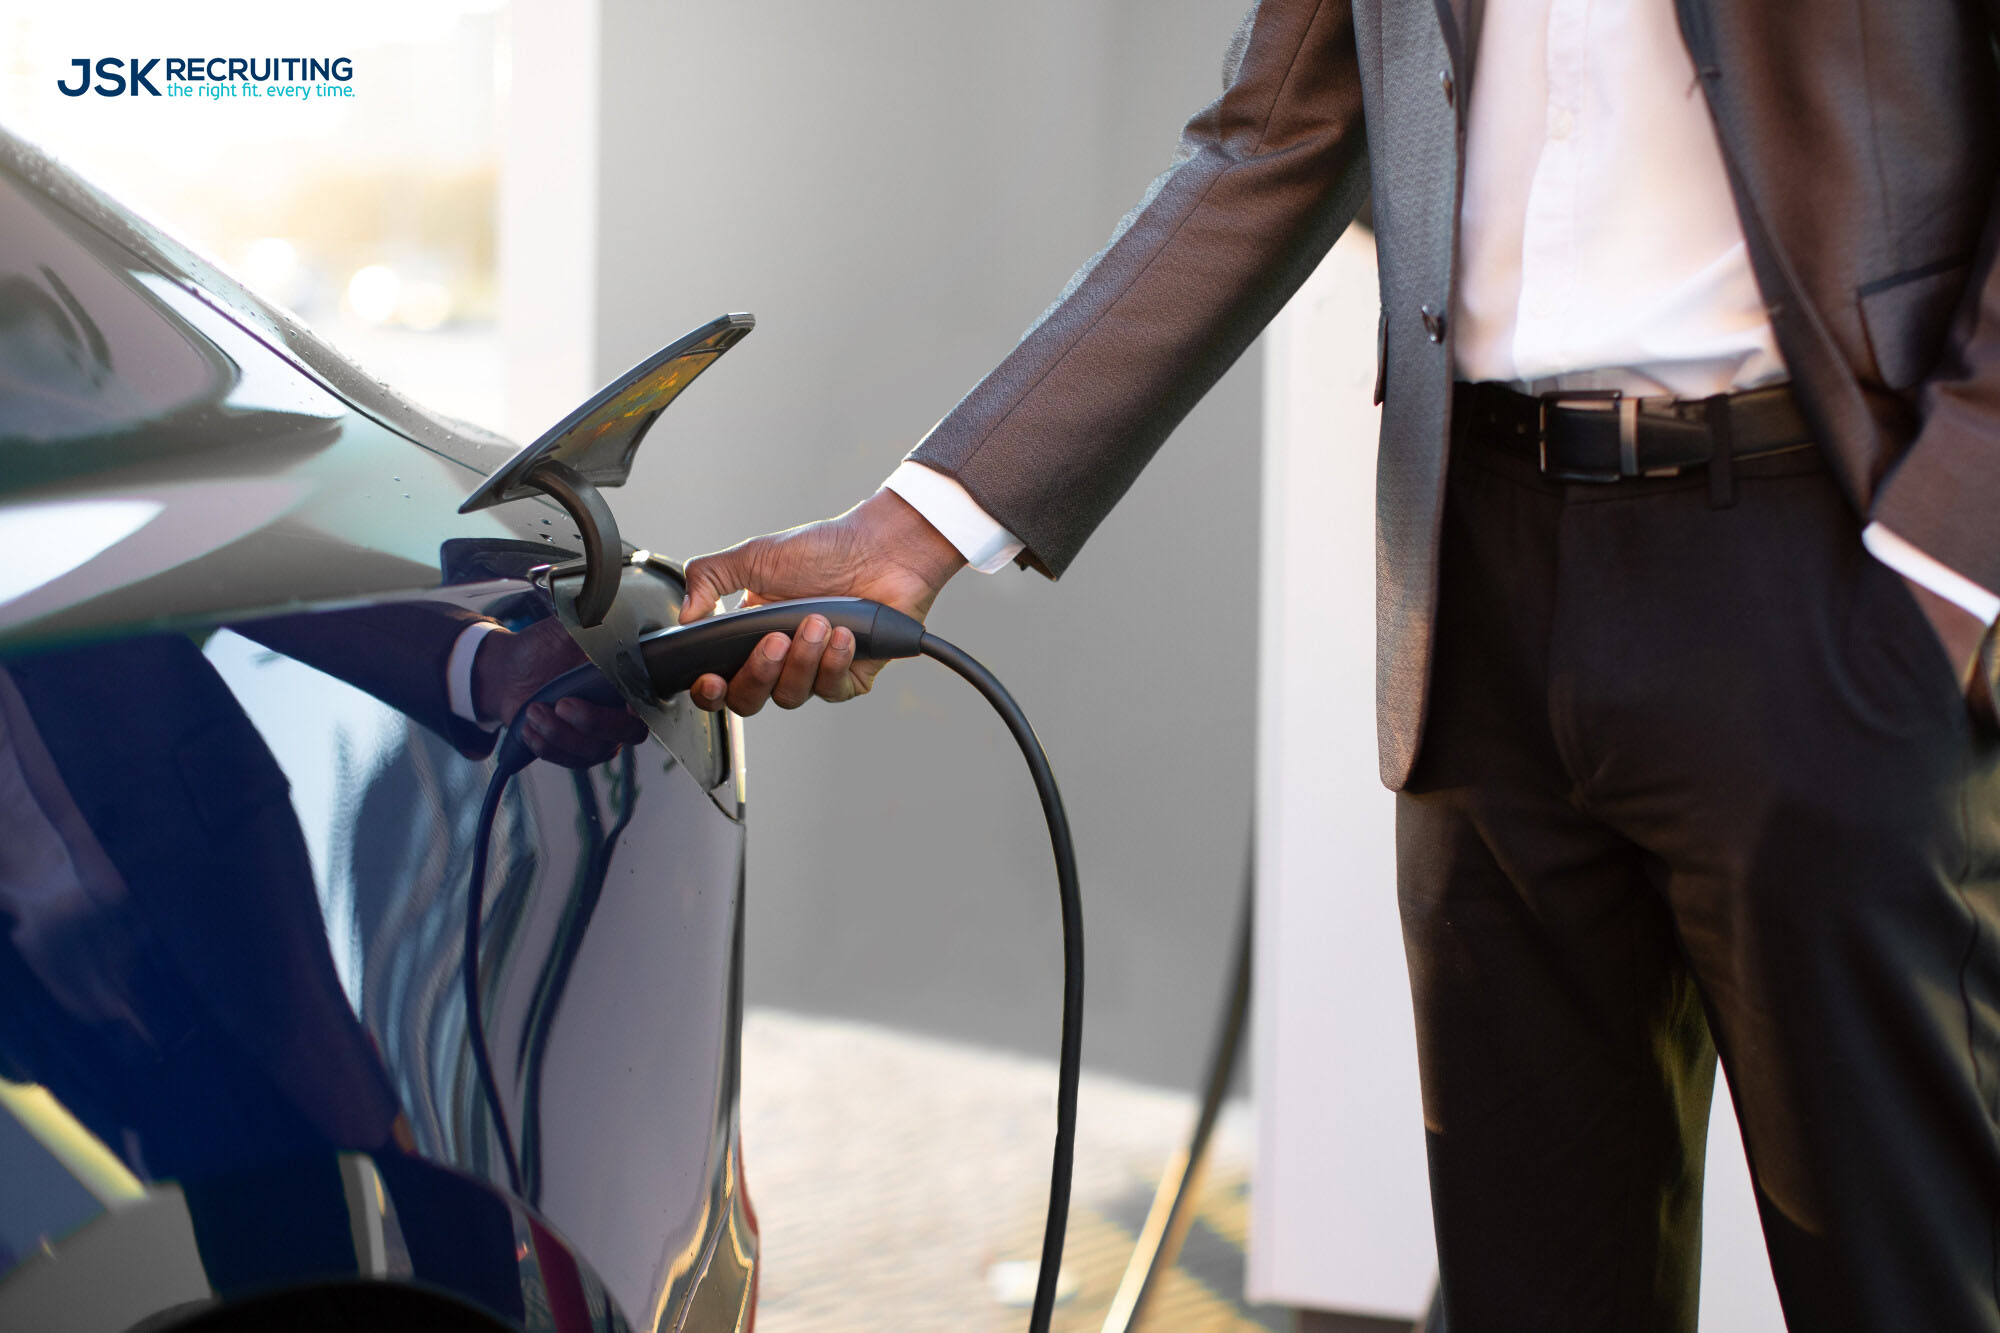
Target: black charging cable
675,658
475,1022
1069,1063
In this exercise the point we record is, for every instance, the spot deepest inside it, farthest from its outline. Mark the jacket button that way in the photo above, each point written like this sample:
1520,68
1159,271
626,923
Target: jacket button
1450,89
1433,324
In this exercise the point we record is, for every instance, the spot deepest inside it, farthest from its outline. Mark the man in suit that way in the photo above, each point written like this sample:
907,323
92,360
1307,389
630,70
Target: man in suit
1688,535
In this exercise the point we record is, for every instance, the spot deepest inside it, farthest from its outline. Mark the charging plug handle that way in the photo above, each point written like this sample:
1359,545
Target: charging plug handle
676,658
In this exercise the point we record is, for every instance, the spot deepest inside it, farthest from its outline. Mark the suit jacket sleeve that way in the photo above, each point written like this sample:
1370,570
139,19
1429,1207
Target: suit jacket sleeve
397,652
1944,495
1264,180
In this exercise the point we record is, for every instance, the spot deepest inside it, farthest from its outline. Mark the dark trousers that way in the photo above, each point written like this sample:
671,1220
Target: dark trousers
1697,779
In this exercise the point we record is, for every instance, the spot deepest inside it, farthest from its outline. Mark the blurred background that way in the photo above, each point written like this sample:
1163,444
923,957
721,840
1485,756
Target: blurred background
522,199
373,217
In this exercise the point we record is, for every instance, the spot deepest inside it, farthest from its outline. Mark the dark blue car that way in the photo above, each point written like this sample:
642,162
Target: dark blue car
251,661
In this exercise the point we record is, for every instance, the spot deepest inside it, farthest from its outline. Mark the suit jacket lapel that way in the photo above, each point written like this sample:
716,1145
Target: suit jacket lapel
1460,20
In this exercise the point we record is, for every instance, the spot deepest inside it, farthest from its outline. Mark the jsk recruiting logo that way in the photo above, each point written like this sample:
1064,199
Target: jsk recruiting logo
298,78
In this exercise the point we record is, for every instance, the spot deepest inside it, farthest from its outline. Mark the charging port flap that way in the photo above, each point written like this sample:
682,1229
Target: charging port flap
593,448
600,438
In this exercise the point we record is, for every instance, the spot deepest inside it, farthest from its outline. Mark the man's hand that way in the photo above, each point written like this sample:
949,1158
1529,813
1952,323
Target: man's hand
881,549
574,732
1963,635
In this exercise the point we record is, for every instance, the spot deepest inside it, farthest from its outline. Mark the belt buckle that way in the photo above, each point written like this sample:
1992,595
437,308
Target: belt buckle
1613,400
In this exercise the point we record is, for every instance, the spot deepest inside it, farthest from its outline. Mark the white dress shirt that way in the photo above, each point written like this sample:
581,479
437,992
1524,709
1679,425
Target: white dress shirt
458,674
1599,245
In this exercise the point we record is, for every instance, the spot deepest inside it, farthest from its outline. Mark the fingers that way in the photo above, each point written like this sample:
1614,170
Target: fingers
550,739
620,726
785,671
801,669
750,688
579,734
709,692
832,681
710,578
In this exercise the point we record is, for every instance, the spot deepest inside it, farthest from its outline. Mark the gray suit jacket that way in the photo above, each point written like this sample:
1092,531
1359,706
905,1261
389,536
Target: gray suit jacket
1862,141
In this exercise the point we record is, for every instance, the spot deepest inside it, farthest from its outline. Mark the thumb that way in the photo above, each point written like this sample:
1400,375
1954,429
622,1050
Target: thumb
710,578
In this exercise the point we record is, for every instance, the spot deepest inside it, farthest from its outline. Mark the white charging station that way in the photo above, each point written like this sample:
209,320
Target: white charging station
1340,1216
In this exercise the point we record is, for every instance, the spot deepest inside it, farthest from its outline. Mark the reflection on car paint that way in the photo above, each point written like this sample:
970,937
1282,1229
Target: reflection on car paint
261,383
250,957
84,349
46,541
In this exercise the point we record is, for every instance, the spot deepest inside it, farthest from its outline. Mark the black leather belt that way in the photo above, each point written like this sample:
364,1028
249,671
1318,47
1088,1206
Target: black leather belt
1601,435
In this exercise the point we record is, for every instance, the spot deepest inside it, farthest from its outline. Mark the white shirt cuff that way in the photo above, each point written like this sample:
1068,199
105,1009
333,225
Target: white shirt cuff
458,673
1914,565
986,546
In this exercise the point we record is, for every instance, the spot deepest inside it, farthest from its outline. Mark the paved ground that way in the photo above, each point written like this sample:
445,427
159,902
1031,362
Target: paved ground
900,1183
